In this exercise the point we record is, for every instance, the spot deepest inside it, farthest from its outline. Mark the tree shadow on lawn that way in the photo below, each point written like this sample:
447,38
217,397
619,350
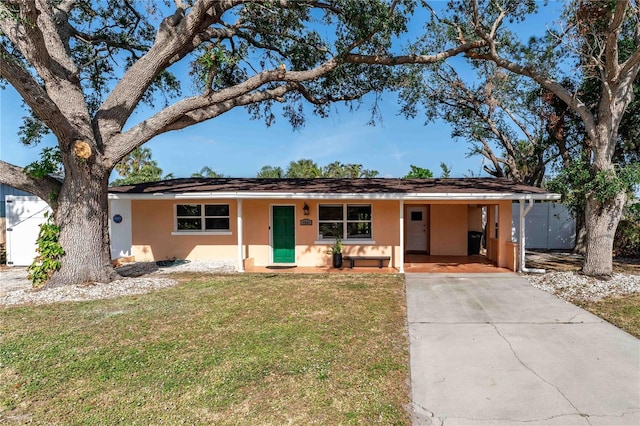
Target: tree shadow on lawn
563,261
139,269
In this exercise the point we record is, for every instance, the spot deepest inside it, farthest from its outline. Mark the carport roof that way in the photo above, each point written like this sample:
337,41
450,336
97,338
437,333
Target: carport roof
324,188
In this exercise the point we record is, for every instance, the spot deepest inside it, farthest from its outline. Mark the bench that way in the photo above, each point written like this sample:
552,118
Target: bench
352,259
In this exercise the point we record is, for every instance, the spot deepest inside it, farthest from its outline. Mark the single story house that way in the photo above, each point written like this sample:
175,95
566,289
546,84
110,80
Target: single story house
271,222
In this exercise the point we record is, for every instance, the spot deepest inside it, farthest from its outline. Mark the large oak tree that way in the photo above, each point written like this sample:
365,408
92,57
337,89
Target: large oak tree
596,41
83,68
596,36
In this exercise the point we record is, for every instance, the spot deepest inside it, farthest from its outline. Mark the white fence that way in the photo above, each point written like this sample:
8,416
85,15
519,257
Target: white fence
548,226
24,216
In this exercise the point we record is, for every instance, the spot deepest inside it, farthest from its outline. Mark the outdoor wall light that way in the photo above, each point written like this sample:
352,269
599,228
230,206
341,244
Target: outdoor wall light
305,209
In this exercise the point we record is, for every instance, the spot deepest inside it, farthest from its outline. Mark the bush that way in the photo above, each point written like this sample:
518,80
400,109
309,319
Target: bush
49,253
627,240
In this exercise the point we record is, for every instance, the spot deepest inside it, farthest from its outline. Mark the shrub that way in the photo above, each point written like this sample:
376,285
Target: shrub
627,240
49,253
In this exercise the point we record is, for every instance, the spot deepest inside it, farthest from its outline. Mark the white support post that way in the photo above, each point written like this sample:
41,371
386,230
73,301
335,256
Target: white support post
521,238
401,254
240,242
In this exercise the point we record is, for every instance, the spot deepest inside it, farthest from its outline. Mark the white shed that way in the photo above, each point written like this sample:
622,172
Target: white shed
548,226
24,215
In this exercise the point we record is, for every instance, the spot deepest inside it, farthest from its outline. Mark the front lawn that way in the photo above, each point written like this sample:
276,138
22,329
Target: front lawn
228,349
623,312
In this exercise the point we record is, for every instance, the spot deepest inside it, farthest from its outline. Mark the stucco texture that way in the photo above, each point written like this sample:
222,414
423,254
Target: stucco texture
154,235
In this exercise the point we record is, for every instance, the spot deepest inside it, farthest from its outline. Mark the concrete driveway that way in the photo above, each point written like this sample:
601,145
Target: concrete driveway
489,349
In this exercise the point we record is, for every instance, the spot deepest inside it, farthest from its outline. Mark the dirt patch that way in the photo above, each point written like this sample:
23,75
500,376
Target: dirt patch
12,279
563,261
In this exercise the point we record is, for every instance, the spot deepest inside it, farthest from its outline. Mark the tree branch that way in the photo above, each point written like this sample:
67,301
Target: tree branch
506,144
66,5
631,62
522,126
327,98
169,115
34,95
611,42
548,83
412,59
176,36
41,37
46,188
190,114
487,152
205,35
165,119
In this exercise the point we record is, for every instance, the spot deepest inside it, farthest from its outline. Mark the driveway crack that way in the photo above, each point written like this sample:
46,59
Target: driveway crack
419,413
626,413
510,420
584,415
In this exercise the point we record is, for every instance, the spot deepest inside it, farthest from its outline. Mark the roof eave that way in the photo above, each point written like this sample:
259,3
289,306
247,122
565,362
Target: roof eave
335,196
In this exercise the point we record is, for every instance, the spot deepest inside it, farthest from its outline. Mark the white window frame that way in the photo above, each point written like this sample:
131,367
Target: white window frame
345,221
202,218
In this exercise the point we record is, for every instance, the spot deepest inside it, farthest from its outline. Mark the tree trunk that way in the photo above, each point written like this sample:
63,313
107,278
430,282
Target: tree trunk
601,220
581,234
82,216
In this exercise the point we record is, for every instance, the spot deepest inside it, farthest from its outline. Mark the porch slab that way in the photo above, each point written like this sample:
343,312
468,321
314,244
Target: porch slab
320,270
450,264
414,263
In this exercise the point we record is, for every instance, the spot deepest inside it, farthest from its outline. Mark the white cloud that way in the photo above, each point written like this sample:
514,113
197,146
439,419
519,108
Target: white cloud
396,154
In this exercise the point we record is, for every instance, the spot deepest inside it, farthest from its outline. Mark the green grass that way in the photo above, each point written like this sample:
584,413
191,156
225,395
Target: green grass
623,312
229,349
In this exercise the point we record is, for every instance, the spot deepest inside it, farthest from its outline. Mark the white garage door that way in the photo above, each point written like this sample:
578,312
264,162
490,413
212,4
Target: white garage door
24,216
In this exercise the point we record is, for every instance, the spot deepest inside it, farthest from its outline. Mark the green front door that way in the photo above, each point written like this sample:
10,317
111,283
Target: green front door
284,235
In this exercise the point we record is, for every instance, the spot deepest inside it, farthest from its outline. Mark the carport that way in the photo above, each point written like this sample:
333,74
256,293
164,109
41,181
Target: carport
440,232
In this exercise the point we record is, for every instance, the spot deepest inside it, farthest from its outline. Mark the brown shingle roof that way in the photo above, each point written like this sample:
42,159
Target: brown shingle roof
331,186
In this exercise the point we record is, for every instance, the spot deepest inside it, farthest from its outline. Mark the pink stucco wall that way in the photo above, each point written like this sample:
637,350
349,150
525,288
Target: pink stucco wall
154,236
310,251
153,223
448,230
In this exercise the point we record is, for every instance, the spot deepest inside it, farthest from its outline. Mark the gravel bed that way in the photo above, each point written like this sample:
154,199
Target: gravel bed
137,269
139,278
572,286
123,287
144,277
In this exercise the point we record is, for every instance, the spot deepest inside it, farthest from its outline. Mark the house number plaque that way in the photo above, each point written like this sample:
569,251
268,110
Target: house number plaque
306,222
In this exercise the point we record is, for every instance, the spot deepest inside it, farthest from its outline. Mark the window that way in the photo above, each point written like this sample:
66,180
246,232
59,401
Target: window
345,221
202,217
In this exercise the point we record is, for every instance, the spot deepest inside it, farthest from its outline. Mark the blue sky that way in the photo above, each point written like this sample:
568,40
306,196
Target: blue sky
236,146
